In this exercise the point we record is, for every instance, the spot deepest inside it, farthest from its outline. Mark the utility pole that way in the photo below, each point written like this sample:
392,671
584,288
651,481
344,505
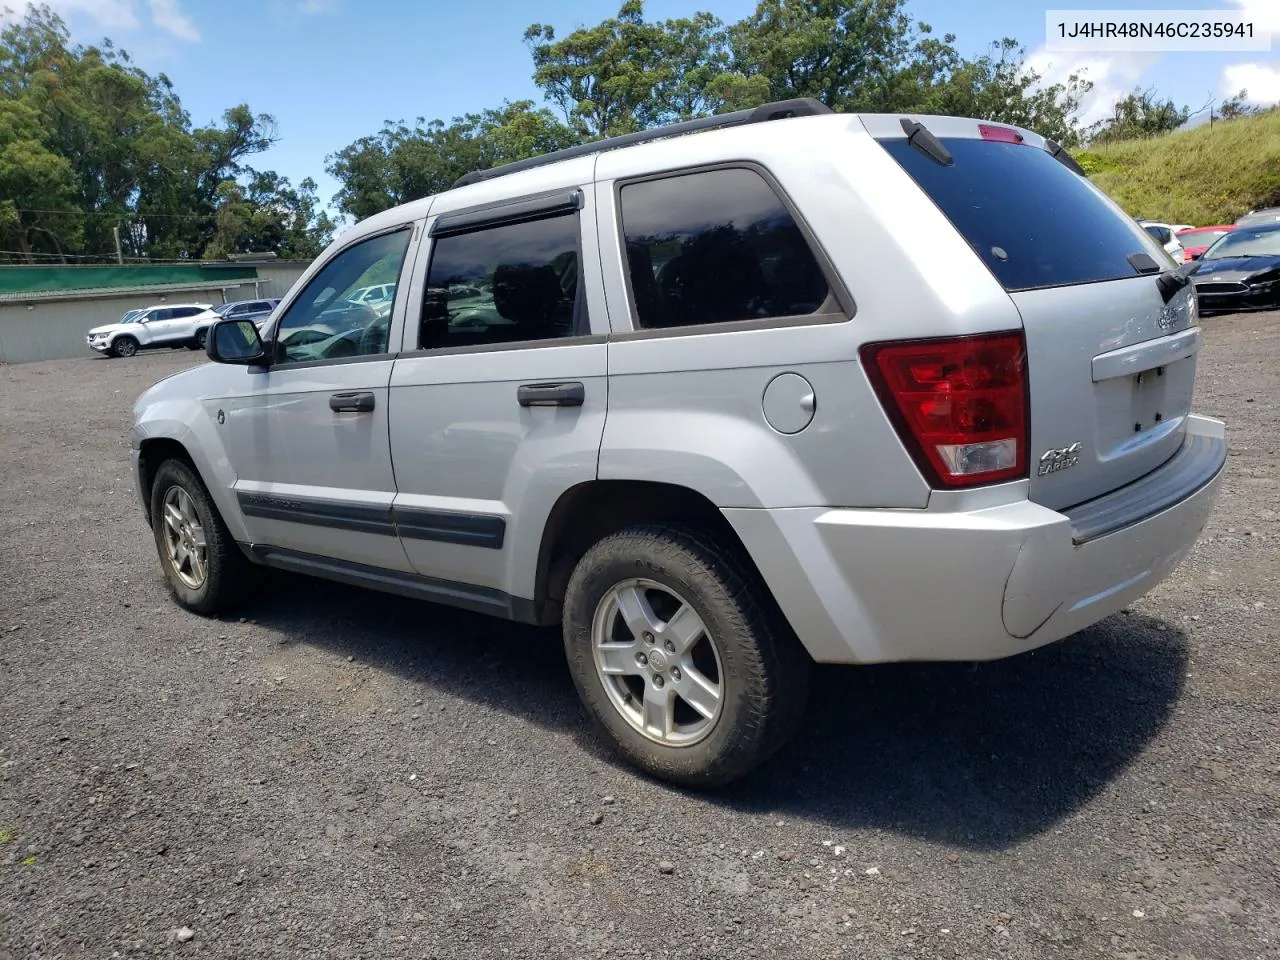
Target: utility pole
119,256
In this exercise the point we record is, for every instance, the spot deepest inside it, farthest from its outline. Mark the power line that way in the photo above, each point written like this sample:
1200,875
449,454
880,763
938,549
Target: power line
125,215
106,257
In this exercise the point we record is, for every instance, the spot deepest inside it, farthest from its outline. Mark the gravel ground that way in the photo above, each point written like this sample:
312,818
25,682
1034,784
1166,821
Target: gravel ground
347,774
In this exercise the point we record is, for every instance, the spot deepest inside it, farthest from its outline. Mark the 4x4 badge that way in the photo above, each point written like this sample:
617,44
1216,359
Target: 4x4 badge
1059,458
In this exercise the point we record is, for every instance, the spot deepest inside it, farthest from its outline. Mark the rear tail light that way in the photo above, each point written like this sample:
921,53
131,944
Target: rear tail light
959,404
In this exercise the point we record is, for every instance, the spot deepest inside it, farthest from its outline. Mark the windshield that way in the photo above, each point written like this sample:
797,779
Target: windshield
222,308
130,317
1033,222
1201,238
1246,243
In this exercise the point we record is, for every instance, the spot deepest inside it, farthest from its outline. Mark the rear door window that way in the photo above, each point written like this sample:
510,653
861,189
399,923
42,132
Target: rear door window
513,283
716,246
1033,222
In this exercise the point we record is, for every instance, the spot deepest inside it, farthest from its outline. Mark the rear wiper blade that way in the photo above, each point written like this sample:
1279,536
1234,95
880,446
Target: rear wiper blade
1170,284
918,136
1059,153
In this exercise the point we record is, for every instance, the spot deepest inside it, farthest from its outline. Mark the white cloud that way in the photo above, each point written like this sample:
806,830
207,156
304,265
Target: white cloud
1263,83
172,20
1114,75
1264,14
117,15
112,14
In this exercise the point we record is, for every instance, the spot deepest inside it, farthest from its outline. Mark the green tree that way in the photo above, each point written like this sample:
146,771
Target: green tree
36,187
115,145
402,163
999,86
267,213
1237,106
846,53
1139,115
853,55
626,73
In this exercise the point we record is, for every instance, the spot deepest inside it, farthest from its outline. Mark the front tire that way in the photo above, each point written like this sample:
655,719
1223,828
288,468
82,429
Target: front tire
693,678
203,566
124,347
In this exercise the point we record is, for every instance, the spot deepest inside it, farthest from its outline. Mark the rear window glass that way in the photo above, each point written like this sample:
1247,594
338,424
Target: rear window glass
1033,222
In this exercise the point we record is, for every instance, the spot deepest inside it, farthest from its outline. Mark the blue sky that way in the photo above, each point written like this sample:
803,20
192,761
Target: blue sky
331,71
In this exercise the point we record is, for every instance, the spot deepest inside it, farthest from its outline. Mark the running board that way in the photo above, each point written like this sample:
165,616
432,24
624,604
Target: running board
465,596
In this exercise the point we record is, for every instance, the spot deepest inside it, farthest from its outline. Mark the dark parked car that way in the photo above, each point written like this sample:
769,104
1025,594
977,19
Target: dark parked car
255,310
1255,217
1240,272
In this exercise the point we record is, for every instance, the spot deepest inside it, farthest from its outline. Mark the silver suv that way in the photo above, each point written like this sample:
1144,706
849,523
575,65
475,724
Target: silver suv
723,399
164,325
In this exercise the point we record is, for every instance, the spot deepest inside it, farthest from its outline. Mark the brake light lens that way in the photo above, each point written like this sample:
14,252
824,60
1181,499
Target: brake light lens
999,134
959,404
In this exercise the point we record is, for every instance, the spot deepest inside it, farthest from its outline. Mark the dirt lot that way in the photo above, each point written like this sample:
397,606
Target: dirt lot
352,775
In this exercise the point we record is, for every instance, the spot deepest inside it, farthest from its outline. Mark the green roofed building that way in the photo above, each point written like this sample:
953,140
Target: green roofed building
45,311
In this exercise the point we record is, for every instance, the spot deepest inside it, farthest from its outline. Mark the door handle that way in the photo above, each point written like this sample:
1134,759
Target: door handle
359,402
570,394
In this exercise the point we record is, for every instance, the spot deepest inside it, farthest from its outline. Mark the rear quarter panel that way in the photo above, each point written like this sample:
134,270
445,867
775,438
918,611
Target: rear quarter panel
685,406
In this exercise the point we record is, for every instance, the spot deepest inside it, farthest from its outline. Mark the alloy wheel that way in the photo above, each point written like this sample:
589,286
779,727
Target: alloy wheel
658,662
184,538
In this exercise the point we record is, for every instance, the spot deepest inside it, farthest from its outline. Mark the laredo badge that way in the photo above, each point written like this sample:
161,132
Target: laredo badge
1059,458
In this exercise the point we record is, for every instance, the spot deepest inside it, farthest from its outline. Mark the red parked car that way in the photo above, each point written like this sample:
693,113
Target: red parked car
1199,239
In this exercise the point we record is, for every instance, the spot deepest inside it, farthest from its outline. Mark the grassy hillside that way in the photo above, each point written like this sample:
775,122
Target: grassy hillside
1201,176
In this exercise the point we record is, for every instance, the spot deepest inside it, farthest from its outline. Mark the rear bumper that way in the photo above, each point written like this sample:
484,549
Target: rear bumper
963,580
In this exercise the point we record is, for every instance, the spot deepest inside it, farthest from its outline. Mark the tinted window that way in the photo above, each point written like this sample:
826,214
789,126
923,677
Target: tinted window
1160,233
322,324
506,284
1200,238
1033,222
162,314
715,247
1246,243
179,312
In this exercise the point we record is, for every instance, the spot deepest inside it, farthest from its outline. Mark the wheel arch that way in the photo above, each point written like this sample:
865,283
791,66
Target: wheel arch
152,452
589,511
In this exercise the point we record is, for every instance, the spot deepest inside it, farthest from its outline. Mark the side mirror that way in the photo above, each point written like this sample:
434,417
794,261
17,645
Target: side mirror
235,341
1197,256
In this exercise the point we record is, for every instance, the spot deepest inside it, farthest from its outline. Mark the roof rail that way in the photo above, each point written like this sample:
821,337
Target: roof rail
801,107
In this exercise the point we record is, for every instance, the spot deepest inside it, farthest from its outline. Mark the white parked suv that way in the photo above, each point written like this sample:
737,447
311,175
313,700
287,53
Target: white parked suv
723,400
164,325
1166,236
378,297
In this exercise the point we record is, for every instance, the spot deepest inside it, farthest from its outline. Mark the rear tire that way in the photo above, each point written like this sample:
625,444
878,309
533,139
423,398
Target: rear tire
682,583
124,347
203,566
199,341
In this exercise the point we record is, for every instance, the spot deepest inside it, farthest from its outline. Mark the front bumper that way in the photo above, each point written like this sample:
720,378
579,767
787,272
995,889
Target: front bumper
1240,302
102,346
959,582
